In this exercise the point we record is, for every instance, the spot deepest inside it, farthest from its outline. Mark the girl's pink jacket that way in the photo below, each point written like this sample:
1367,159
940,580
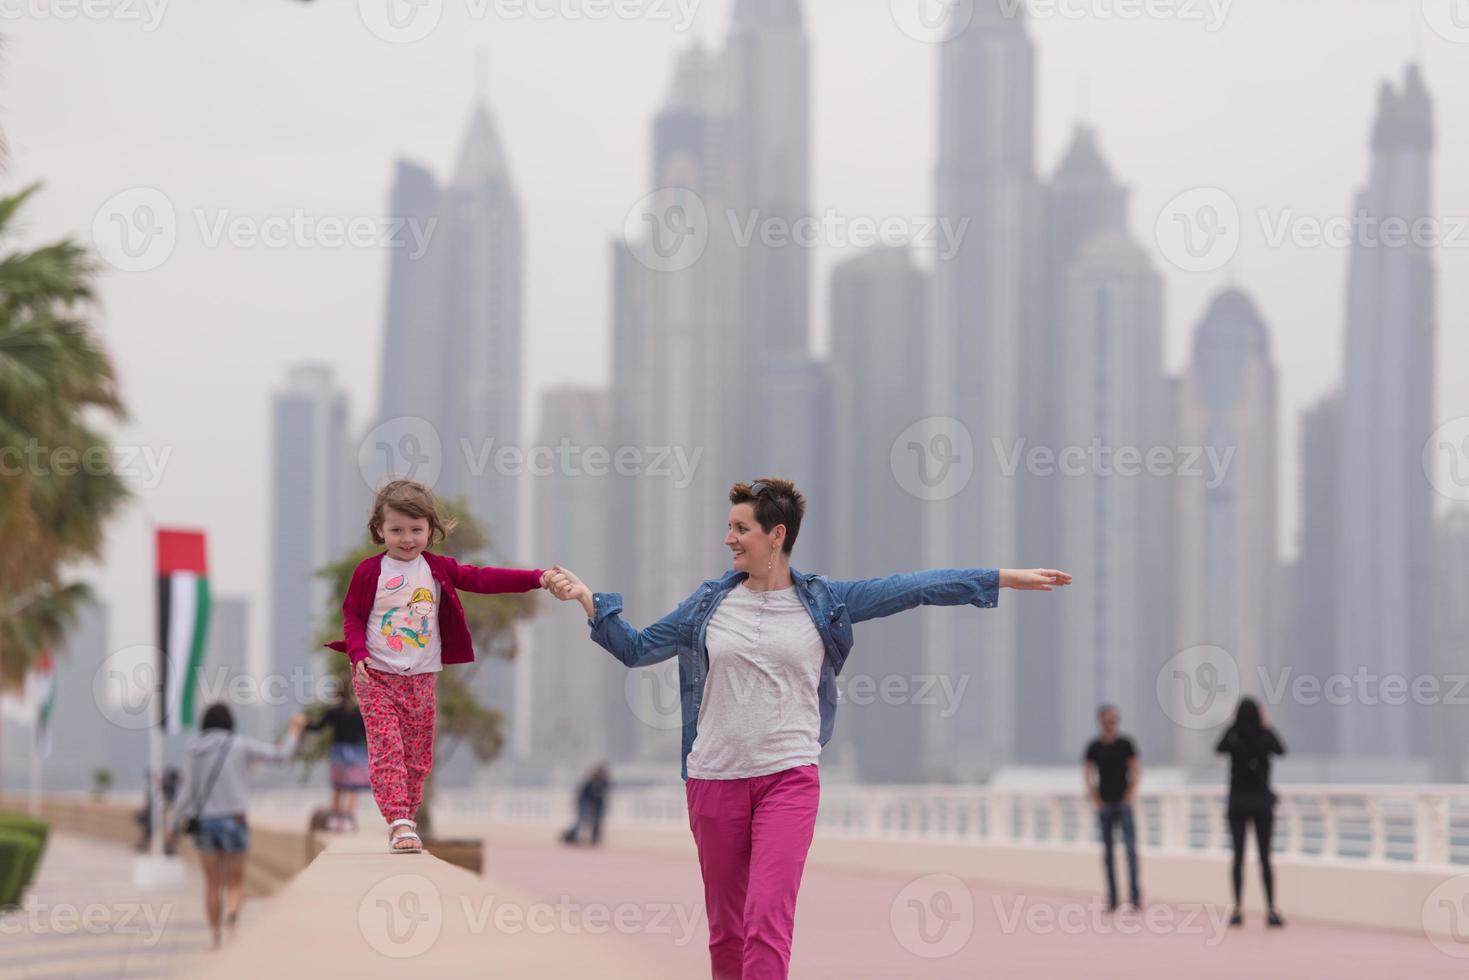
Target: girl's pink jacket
457,647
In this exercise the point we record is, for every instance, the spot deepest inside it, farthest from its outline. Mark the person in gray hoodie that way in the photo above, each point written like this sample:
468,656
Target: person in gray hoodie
213,798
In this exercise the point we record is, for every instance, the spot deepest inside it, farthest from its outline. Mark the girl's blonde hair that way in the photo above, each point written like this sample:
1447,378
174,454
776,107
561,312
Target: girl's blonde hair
414,499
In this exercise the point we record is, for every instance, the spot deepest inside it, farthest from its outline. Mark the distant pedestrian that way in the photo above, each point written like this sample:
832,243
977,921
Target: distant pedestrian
144,817
213,802
591,803
348,757
1249,743
1112,772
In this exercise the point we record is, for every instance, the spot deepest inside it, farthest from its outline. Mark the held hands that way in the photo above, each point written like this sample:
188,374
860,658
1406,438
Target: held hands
1039,579
564,585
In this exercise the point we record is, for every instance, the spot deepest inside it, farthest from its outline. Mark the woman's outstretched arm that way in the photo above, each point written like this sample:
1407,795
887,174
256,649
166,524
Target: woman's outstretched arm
282,751
634,647
876,597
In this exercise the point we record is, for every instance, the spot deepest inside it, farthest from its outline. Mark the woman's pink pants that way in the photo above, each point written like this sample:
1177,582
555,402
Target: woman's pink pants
753,835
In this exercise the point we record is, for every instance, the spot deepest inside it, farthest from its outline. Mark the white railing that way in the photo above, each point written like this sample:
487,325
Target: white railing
1424,826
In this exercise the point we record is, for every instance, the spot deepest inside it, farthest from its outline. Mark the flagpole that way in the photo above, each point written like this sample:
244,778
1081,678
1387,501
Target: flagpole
35,788
155,747
155,781
155,869
183,622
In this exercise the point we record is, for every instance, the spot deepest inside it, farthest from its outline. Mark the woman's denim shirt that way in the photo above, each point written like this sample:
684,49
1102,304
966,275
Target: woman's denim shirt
834,607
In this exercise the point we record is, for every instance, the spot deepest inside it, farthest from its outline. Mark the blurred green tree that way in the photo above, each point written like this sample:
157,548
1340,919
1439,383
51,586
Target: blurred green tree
57,482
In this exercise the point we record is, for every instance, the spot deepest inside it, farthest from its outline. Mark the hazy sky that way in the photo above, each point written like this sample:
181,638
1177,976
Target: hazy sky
277,107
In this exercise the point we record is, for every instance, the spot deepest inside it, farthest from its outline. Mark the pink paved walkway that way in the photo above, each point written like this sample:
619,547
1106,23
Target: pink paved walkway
857,926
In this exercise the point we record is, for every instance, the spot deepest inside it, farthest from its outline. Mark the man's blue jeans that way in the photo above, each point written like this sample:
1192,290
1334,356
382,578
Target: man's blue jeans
1109,816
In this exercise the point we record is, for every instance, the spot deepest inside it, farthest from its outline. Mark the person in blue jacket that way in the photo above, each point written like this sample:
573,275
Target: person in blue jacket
759,650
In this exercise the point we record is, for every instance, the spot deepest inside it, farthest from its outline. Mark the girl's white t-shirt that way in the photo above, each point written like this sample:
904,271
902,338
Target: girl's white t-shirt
403,630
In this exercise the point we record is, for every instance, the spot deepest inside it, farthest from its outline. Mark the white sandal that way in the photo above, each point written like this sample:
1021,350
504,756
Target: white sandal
411,834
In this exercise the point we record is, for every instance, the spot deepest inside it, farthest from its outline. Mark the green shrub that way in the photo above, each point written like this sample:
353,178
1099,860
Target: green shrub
15,880
19,853
20,823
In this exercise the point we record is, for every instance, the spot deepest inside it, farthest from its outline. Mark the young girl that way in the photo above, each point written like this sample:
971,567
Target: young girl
348,758
402,621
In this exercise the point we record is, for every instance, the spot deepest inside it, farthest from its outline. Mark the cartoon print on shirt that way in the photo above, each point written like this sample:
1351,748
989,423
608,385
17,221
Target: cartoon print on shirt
415,626
421,611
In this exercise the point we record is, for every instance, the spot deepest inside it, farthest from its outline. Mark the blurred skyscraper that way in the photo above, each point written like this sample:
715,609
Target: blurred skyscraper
1082,200
311,473
764,159
800,448
879,303
452,357
986,297
453,333
413,322
1111,512
620,507
1311,649
226,672
674,334
577,711
80,732
711,349
1225,547
1386,549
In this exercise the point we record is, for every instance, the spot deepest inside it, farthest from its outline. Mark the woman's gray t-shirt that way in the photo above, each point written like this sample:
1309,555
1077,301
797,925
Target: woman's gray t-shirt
760,713
234,755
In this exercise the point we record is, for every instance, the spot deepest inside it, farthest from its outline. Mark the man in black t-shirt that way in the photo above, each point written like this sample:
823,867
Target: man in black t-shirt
1112,772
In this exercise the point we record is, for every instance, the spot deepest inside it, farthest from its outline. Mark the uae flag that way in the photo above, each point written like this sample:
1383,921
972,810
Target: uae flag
183,624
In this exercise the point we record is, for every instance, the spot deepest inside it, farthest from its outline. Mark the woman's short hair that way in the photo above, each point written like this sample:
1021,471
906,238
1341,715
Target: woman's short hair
218,715
776,501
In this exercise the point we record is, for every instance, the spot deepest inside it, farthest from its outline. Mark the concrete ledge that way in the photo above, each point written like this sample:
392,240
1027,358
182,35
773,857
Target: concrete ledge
360,911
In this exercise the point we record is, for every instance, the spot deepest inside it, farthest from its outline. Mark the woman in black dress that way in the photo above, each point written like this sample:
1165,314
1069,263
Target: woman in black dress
1249,743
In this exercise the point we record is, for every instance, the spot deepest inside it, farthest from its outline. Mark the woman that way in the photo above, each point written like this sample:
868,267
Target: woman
1249,743
758,653
348,757
214,796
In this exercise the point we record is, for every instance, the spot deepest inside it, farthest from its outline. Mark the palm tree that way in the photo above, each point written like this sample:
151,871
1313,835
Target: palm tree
58,486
